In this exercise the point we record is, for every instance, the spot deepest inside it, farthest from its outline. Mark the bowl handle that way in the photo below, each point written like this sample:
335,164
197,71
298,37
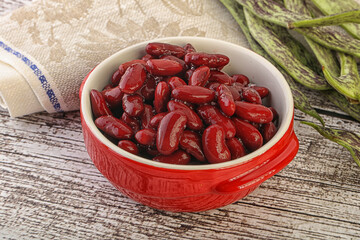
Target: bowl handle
262,172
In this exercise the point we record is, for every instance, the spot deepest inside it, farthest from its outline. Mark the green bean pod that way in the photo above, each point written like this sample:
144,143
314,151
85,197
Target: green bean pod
343,103
347,139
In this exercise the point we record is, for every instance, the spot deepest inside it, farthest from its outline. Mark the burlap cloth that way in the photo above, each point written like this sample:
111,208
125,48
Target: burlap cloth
48,47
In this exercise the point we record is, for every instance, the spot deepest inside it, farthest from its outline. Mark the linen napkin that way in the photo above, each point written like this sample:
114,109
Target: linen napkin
48,47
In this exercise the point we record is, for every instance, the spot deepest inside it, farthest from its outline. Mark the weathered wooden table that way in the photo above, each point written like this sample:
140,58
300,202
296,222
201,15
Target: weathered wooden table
49,189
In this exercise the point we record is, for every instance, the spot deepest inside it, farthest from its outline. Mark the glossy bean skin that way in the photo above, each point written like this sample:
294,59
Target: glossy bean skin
242,79
169,132
147,57
249,135
155,120
158,49
207,59
115,78
98,104
275,114
162,96
123,67
146,116
220,77
188,73
179,157
193,120
268,130
114,127
133,78
200,76
113,97
236,148
182,62
146,137
189,48
251,95
226,100
133,104
175,82
131,121
263,91
214,145
193,94
148,89
253,112
163,67
128,146
191,143
212,115
235,93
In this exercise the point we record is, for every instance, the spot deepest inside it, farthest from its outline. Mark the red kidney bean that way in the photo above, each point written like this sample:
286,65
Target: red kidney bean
238,86
128,146
147,57
251,95
133,78
200,76
214,145
148,89
162,96
240,78
193,120
207,59
169,132
113,96
235,93
275,114
188,73
175,82
212,85
107,87
253,112
152,151
236,148
249,135
268,130
98,104
189,48
146,116
193,94
155,120
191,143
226,100
212,115
182,62
158,49
131,121
123,67
220,77
146,136
163,67
263,91
179,157
133,104
115,78
114,127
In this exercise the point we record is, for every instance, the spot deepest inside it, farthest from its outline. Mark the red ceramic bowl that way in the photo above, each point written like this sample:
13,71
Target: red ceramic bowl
190,188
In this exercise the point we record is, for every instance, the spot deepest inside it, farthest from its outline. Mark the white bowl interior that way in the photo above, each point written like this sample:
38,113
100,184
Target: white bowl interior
242,60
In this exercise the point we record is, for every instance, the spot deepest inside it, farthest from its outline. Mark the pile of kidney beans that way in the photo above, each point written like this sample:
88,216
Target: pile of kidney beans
175,105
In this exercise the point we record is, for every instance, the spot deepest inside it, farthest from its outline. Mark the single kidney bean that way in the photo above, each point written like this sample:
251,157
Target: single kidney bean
220,77
189,48
235,93
207,59
191,143
128,146
212,115
249,135
133,104
214,145
251,95
146,116
158,49
193,120
188,73
162,96
123,67
133,78
263,91
182,62
113,96
155,120
179,157
193,94
152,151
212,85
146,136
175,82
238,86
226,100
240,78
275,114
98,104
169,132
114,127
268,130
147,57
131,121
200,76
148,89
163,67
115,78
107,87
236,148
253,112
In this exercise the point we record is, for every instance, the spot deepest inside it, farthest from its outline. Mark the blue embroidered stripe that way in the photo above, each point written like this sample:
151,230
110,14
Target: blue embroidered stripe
44,83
